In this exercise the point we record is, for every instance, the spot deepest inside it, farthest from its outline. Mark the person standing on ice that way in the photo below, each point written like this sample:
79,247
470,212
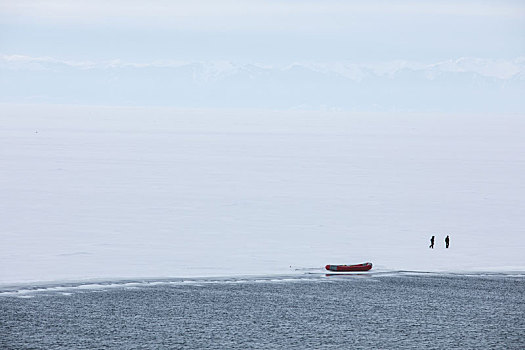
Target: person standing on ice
432,242
447,241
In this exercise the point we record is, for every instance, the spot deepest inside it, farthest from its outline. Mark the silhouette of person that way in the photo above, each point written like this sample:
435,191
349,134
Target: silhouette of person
432,242
447,241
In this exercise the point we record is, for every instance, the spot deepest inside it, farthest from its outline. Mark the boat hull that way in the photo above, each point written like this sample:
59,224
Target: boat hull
358,267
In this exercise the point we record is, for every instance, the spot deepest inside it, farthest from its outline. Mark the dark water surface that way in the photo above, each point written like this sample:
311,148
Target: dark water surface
358,312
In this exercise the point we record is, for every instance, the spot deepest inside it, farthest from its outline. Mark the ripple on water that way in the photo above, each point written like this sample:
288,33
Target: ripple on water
387,311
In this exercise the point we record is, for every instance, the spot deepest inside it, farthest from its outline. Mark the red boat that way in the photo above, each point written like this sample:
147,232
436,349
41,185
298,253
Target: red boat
359,267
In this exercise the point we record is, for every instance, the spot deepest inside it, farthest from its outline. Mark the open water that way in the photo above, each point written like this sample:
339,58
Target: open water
396,311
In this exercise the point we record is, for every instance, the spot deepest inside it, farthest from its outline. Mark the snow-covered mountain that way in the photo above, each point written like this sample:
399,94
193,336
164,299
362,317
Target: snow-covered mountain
466,84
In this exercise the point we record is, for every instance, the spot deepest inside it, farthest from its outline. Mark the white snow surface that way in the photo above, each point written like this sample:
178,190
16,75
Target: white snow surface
114,193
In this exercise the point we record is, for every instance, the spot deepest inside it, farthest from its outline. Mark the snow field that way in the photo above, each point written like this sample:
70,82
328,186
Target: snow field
100,192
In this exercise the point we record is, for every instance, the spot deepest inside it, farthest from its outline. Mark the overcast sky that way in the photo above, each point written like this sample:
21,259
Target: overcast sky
485,37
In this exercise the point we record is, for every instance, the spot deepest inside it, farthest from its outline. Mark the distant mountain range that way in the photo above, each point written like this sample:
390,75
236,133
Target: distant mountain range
462,85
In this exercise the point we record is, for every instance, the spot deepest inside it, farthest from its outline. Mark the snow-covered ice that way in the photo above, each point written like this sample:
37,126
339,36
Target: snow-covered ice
110,193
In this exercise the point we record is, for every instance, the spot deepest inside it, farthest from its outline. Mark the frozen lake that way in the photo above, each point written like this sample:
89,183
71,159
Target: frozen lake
111,193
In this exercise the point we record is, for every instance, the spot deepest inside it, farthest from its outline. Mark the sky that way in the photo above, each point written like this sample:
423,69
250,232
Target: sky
349,55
